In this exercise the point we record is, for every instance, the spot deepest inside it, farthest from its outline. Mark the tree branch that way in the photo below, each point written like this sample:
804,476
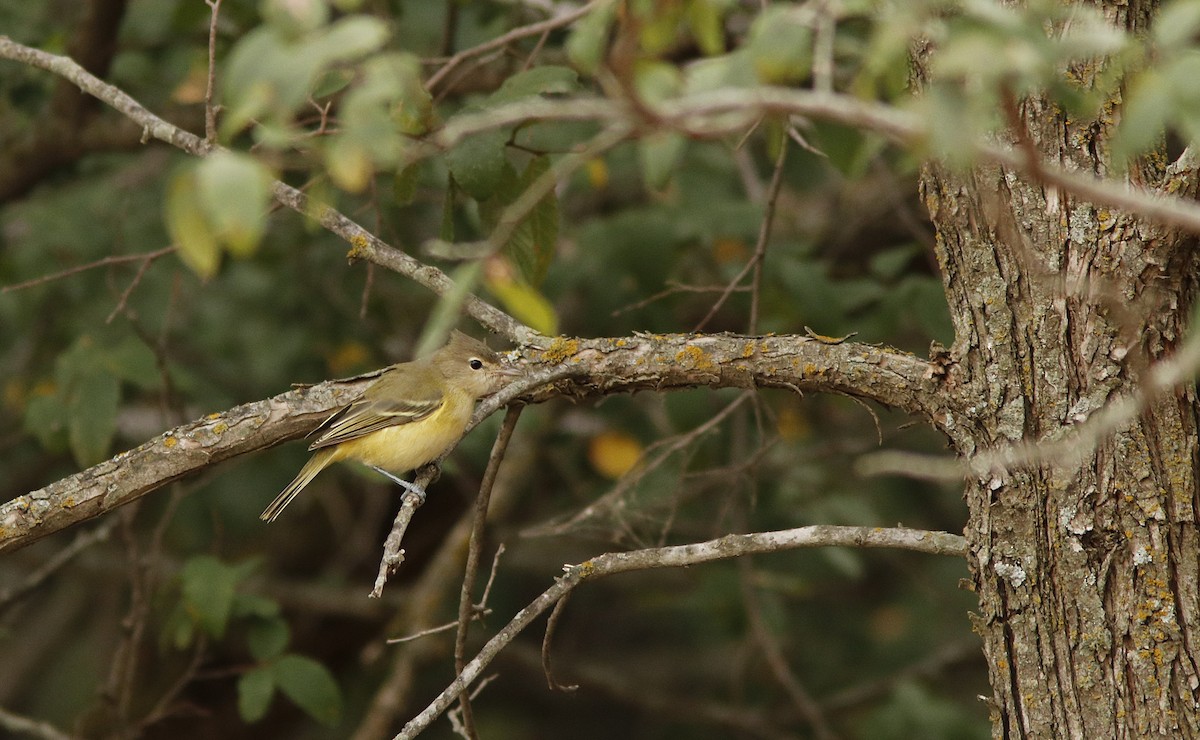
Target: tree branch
364,244
723,548
601,367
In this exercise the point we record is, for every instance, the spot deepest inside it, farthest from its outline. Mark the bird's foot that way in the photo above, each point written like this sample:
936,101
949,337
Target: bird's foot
412,488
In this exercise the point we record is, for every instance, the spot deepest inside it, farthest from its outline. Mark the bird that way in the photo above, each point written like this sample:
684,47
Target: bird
412,414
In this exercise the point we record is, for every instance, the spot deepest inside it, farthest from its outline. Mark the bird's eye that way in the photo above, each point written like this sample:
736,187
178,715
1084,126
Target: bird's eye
476,364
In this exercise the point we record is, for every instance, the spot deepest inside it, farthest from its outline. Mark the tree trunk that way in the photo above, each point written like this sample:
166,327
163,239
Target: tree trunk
1085,556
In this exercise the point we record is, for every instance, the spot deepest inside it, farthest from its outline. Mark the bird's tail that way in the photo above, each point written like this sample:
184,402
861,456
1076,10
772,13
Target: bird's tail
315,464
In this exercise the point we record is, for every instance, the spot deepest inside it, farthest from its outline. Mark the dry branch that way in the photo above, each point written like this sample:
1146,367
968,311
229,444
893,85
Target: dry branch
723,548
600,367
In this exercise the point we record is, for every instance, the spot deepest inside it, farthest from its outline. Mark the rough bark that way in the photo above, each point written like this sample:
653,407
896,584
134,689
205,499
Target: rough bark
1085,564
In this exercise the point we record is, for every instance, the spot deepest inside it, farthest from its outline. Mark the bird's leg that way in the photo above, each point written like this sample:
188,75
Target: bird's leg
412,488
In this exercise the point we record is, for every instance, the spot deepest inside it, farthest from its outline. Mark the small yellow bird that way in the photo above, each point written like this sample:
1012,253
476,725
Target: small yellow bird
413,413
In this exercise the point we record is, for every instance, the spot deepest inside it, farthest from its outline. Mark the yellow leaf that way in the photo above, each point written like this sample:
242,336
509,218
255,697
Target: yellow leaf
348,357
597,173
349,165
613,454
189,229
520,298
792,425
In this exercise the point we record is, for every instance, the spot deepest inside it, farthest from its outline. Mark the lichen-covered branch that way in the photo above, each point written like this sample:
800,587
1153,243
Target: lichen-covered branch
597,367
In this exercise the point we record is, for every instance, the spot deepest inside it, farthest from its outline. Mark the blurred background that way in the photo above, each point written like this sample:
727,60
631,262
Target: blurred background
184,616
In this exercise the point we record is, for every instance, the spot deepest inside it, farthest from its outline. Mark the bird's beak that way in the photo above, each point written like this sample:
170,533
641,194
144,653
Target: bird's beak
511,371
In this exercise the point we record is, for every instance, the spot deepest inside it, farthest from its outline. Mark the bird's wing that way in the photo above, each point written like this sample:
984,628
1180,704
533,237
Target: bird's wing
376,410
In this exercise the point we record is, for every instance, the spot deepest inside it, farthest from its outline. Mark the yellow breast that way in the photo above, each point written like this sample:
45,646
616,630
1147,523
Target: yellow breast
404,447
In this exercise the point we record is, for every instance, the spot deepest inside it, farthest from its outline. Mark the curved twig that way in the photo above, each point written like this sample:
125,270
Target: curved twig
723,548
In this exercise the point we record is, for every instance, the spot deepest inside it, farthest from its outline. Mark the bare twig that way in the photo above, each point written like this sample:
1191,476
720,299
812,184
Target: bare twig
516,212
734,545
137,279
465,604
773,653
393,553
548,640
754,264
651,459
478,611
702,114
82,541
210,110
674,288
764,234
26,726
516,34
600,367
112,259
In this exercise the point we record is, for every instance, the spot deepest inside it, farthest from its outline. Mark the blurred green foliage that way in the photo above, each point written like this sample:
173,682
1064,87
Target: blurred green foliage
108,338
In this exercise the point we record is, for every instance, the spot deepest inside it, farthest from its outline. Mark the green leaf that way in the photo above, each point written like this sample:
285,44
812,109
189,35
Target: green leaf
657,82
46,418
706,19
131,360
547,79
188,226
404,184
780,44
715,73
890,263
234,191
658,154
533,242
347,39
588,42
255,689
478,162
310,686
92,415
253,605
267,638
348,163
1143,116
1177,23
208,591
296,17
178,629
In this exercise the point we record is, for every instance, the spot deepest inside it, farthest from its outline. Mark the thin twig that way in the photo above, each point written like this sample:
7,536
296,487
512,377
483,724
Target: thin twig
465,604
515,213
82,541
651,459
26,726
137,279
478,611
760,249
702,114
210,110
729,546
548,640
516,34
773,653
764,234
112,259
673,288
